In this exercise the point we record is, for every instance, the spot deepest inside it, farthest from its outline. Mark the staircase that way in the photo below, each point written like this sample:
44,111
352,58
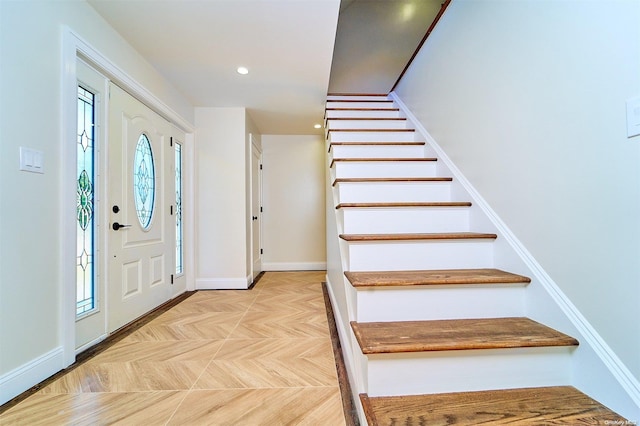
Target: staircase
435,333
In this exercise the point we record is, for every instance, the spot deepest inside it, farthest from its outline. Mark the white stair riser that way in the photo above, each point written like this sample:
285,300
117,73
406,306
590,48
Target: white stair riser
404,220
384,169
342,136
398,256
354,192
368,113
462,371
423,303
368,124
359,104
379,151
357,97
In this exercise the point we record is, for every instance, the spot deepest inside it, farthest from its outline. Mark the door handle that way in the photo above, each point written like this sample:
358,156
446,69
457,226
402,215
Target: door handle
117,226
254,217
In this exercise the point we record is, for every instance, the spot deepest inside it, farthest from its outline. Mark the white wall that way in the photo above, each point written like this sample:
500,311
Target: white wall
528,99
30,115
294,202
222,209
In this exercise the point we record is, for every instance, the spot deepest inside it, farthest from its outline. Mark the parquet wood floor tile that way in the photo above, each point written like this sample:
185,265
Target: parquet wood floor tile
134,376
268,373
132,350
259,363
237,357
283,324
189,326
311,347
274,407
208,301
89,409
292,301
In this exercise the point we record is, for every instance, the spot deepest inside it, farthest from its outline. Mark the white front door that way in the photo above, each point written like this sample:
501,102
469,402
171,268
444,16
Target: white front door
141,235
256,209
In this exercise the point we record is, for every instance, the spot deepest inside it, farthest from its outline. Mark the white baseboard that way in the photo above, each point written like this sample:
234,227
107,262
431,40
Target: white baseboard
294,266
91,343
30,374
221,283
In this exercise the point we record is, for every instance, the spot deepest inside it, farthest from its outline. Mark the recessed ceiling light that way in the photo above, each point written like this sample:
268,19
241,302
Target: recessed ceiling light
243,70
317,126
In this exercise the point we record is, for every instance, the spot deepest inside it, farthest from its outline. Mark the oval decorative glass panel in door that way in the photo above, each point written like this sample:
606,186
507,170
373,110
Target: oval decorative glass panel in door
144,181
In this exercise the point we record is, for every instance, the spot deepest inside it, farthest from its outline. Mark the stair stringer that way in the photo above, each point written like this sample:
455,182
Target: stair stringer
596,369
343,298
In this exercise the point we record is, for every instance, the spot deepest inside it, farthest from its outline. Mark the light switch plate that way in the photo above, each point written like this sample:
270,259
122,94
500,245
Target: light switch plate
633,117
31,160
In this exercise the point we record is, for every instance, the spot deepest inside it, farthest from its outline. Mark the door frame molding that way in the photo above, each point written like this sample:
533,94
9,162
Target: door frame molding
74,47
254,145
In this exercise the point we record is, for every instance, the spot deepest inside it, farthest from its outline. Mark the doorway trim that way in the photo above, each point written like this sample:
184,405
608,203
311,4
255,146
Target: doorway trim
256,189
74,47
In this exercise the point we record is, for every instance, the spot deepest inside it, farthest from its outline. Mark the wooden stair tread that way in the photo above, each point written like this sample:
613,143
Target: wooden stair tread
372,130
434,277
457,334
381,160
360,100
418,236
362,109
356,94
368,118
385,159
387,180
527,406
377,143
406,204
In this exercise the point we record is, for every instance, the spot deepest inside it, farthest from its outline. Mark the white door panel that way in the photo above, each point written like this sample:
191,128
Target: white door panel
141,244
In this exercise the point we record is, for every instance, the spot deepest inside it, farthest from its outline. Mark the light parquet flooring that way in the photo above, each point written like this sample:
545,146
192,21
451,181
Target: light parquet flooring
258,357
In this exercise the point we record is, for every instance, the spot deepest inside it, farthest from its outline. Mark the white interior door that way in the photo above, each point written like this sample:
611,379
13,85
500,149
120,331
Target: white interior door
256,209
141,236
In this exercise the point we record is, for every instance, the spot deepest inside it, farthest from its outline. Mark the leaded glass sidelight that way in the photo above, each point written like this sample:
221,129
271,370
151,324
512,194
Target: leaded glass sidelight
144,185
85,185
179,252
